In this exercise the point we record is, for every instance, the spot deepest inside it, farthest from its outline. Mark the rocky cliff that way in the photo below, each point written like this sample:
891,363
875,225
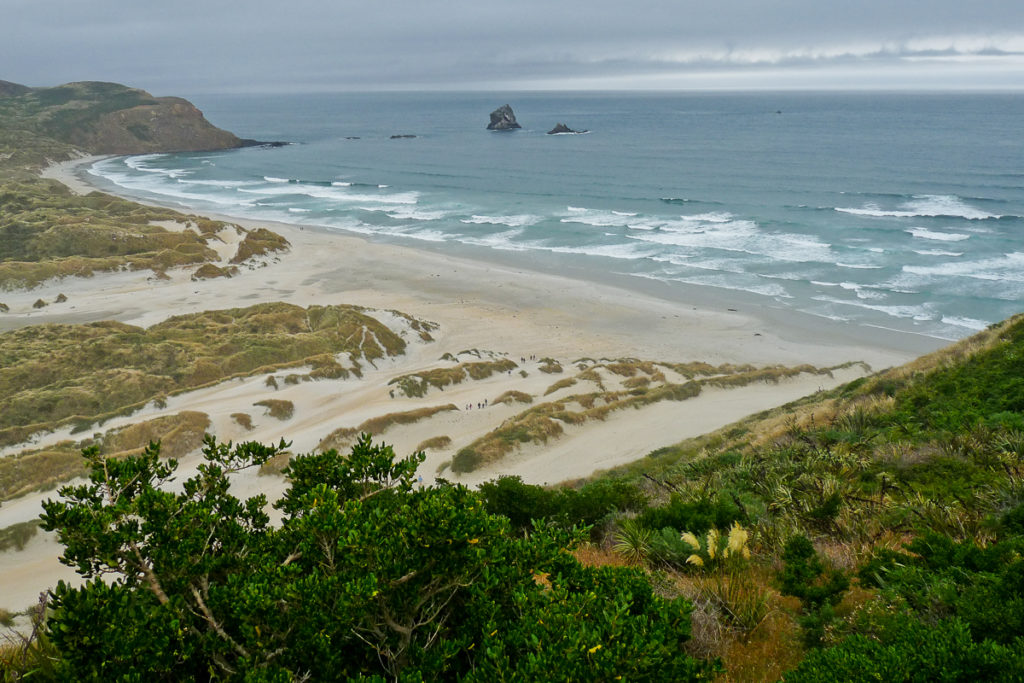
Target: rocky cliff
107,118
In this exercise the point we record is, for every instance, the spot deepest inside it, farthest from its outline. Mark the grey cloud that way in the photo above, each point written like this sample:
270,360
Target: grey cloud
193,45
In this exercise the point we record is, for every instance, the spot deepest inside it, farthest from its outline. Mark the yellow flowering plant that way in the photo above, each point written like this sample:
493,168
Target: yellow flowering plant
717,548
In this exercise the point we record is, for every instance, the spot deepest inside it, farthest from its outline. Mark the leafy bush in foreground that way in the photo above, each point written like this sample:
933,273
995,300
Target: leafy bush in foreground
367,578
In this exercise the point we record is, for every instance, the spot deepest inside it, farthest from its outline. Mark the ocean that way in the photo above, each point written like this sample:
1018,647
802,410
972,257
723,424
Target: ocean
898,211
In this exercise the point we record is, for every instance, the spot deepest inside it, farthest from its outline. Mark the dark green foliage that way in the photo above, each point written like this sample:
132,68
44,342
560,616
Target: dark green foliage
909,650
958,397
668,548
694,516
466,460
941,578
523,503
804,576
367,578
819,589
520,502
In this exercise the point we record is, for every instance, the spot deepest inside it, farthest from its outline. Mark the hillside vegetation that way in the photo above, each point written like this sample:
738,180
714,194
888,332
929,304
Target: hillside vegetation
53,374
46,231
873,532
108,118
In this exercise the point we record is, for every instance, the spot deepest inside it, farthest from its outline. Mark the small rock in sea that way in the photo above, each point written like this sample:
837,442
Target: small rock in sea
60,299
399,137
352,137
4,308
562,129
503,118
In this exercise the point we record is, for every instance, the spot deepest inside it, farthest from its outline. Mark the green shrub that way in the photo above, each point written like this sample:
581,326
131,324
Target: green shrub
818,588
909,650
940,578
695,516
523,503
366,576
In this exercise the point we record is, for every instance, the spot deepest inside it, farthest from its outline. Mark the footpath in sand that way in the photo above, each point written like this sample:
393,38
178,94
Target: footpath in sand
484,312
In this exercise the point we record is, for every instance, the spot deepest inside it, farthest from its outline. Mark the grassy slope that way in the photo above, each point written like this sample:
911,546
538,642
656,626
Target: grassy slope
62,111
931,450
51,374
46,231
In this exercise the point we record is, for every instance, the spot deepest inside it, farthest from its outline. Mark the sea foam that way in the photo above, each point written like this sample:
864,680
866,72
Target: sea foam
924,206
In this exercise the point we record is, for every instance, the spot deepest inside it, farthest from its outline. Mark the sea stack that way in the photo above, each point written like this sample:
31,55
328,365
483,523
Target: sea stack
562,129
503,118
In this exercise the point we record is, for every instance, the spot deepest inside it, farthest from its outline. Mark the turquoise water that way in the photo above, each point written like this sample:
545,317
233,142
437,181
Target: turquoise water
897,211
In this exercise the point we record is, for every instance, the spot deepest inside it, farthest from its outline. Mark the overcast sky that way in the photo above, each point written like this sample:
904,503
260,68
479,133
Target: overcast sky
201,46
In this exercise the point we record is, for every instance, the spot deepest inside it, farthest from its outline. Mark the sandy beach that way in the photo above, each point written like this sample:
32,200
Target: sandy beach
495,308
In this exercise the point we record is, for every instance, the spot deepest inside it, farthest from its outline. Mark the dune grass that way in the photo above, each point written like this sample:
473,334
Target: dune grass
276,465
53,374
416,385
513,396
643,384
277,408
344,436
244,420
257,243
434,443
209,271
46,468
550,366
46,231
564,383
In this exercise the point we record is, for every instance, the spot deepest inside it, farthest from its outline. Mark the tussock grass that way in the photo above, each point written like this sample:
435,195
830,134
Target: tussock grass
513,396
178,435
209,271
544,421
378,425
259,242
48,232
636,382
276,465
550,366
50,374
434,443
277,408
417,385
243,419
560,384
343,436
591,375
46,468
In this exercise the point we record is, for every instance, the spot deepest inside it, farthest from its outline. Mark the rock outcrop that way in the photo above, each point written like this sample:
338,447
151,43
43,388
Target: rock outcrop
562,129
108,118
503,118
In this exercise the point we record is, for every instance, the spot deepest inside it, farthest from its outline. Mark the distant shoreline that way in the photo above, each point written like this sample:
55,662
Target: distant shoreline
893,345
